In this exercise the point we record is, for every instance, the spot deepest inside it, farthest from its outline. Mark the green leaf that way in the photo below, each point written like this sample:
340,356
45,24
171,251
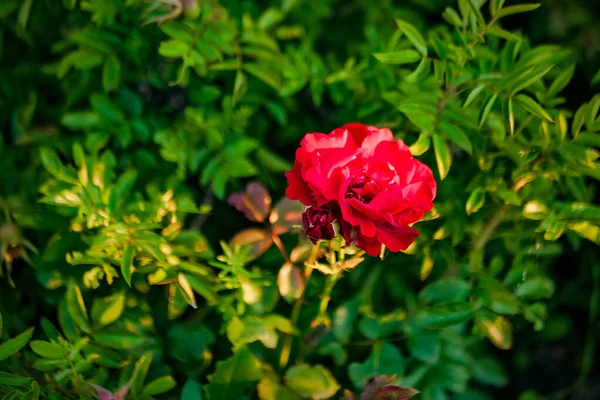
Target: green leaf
589,138
177,30
240,87
537,287
231,376
579,120
398,57
521,8
268,77
111,74
421,70
496,31
81,120
139,374
444,315
315,382
159,385
475,201
425,346
485,111
561,82
173,49
385,359
593,108
127,263
476,11
489,372
1,326
269,18
272,161
118,338
13,380
13,345
76,307
452,17
46,364
107,310
47,349
413,35
55,167
445,290
106,108
457,136
473,95
533,107
192,390
442,155
528,78
344,319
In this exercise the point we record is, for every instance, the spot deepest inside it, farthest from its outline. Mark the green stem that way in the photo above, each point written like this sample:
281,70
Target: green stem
330,283
284,357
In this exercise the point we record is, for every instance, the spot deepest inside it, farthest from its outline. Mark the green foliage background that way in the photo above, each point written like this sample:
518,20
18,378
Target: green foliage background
127,124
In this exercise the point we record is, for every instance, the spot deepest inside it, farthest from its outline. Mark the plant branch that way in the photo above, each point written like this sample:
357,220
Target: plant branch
489,229
287,346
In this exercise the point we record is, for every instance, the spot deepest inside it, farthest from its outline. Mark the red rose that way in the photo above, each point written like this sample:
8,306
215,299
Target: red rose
369,181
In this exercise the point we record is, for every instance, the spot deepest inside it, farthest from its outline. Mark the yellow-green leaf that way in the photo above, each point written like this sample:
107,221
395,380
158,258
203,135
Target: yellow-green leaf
421,145
475,201
159,385
398,57
442,155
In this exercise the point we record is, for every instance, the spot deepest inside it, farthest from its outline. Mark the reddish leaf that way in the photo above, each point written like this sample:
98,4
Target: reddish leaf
103,394
395,393
122,392
371,388
254,203
290,282
285,215
258,239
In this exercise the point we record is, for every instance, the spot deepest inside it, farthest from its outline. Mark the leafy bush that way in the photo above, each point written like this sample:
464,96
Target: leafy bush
129,126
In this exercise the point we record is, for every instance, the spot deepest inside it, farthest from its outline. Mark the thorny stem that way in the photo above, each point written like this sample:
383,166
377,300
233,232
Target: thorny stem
287,346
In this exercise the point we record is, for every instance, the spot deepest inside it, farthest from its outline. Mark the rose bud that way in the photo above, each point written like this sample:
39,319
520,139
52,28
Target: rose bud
318,224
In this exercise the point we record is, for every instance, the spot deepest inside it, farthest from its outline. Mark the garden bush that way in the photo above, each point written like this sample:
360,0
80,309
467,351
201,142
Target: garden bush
149,250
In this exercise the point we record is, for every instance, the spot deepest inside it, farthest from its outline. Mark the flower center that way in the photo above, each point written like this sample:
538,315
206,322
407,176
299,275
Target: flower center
363,188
